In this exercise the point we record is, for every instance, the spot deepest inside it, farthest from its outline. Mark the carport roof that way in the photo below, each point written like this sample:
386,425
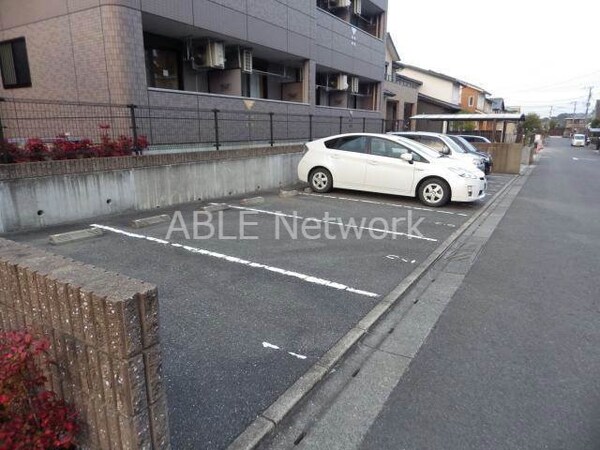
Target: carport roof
470,117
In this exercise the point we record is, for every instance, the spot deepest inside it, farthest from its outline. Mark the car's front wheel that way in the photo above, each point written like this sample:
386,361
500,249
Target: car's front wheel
321,180
434,192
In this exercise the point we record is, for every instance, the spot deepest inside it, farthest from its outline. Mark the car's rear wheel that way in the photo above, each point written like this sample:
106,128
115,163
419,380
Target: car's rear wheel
321,180
434,192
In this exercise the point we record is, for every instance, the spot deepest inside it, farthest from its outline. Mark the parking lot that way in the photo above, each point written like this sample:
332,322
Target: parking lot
243,318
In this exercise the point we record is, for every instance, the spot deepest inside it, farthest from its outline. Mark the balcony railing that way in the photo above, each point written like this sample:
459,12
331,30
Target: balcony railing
393,78
370,25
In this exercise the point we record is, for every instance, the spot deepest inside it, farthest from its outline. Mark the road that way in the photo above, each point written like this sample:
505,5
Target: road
513,360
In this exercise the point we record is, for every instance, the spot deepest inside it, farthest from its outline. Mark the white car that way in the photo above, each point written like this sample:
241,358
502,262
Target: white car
443,144
578,140
389,164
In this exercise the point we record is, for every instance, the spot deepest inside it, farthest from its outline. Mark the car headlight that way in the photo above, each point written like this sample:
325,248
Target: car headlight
463,173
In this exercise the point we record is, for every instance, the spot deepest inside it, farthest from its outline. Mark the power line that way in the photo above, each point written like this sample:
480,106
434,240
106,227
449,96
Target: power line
556,83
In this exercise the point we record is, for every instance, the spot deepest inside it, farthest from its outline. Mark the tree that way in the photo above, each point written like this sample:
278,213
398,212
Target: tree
532,123
465,125
552,124
595,123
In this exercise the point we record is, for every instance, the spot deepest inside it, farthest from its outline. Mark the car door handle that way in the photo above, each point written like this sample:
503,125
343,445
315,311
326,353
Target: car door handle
373,163
335,156
419,170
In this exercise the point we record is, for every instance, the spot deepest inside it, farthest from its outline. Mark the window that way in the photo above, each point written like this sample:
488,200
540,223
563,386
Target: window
355,144
163,62
471,101
14,64
384,147
163,68
433,143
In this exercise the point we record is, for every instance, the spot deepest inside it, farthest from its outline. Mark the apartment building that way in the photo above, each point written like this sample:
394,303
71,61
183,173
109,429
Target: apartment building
323,57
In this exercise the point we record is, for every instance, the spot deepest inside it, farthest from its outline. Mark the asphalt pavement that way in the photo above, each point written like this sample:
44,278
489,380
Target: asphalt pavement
242,320
512,361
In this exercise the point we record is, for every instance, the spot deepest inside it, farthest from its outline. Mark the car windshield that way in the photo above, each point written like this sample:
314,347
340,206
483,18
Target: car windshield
579,136
465,145
471,138
422,149
454,146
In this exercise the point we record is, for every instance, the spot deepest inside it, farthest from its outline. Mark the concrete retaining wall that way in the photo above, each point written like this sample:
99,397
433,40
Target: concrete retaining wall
82,189
507,157
104,338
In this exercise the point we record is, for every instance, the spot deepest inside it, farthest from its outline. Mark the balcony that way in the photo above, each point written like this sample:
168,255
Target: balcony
362,14
401,81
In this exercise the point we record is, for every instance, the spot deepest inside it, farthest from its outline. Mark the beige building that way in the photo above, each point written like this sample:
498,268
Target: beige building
575,125
436,85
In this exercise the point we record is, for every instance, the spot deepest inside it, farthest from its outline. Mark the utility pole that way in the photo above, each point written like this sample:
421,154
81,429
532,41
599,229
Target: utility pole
573,120
587,105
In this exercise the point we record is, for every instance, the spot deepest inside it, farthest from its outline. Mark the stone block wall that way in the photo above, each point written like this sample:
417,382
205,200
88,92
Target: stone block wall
104,334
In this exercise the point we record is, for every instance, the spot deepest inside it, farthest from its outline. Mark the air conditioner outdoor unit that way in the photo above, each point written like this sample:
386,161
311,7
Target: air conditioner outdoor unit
215,55
357,7
354,85
341,3
341,82
247,60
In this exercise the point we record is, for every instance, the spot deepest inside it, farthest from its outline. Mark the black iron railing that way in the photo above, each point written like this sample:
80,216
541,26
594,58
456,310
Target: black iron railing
171,128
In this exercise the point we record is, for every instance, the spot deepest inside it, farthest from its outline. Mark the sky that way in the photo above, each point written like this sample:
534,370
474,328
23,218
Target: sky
530,52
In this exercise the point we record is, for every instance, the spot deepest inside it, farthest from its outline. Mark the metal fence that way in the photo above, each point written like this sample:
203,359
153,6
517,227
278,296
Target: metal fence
169,128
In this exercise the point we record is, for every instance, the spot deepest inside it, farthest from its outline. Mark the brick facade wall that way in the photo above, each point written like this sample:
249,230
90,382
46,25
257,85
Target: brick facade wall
104,334
82,54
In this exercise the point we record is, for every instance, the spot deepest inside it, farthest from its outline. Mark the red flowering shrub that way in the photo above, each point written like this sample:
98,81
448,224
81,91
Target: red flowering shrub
122,146
142,142
30,416
9,153
65,149
36,150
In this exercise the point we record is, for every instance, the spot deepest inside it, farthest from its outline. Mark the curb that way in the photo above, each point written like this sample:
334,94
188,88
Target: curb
74,236
287,194
148,221
214,207
274,414
252,201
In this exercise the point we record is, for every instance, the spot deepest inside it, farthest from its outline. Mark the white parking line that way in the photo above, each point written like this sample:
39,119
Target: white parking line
375,202
334,222
236,260
276,347
584,159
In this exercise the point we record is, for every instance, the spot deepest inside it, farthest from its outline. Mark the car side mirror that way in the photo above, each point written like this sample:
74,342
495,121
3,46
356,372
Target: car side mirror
408,157
445,151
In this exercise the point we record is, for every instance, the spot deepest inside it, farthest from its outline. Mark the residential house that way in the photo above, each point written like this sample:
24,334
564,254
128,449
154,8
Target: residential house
498,105
438,94
308,57
577,124
473,98
400,93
